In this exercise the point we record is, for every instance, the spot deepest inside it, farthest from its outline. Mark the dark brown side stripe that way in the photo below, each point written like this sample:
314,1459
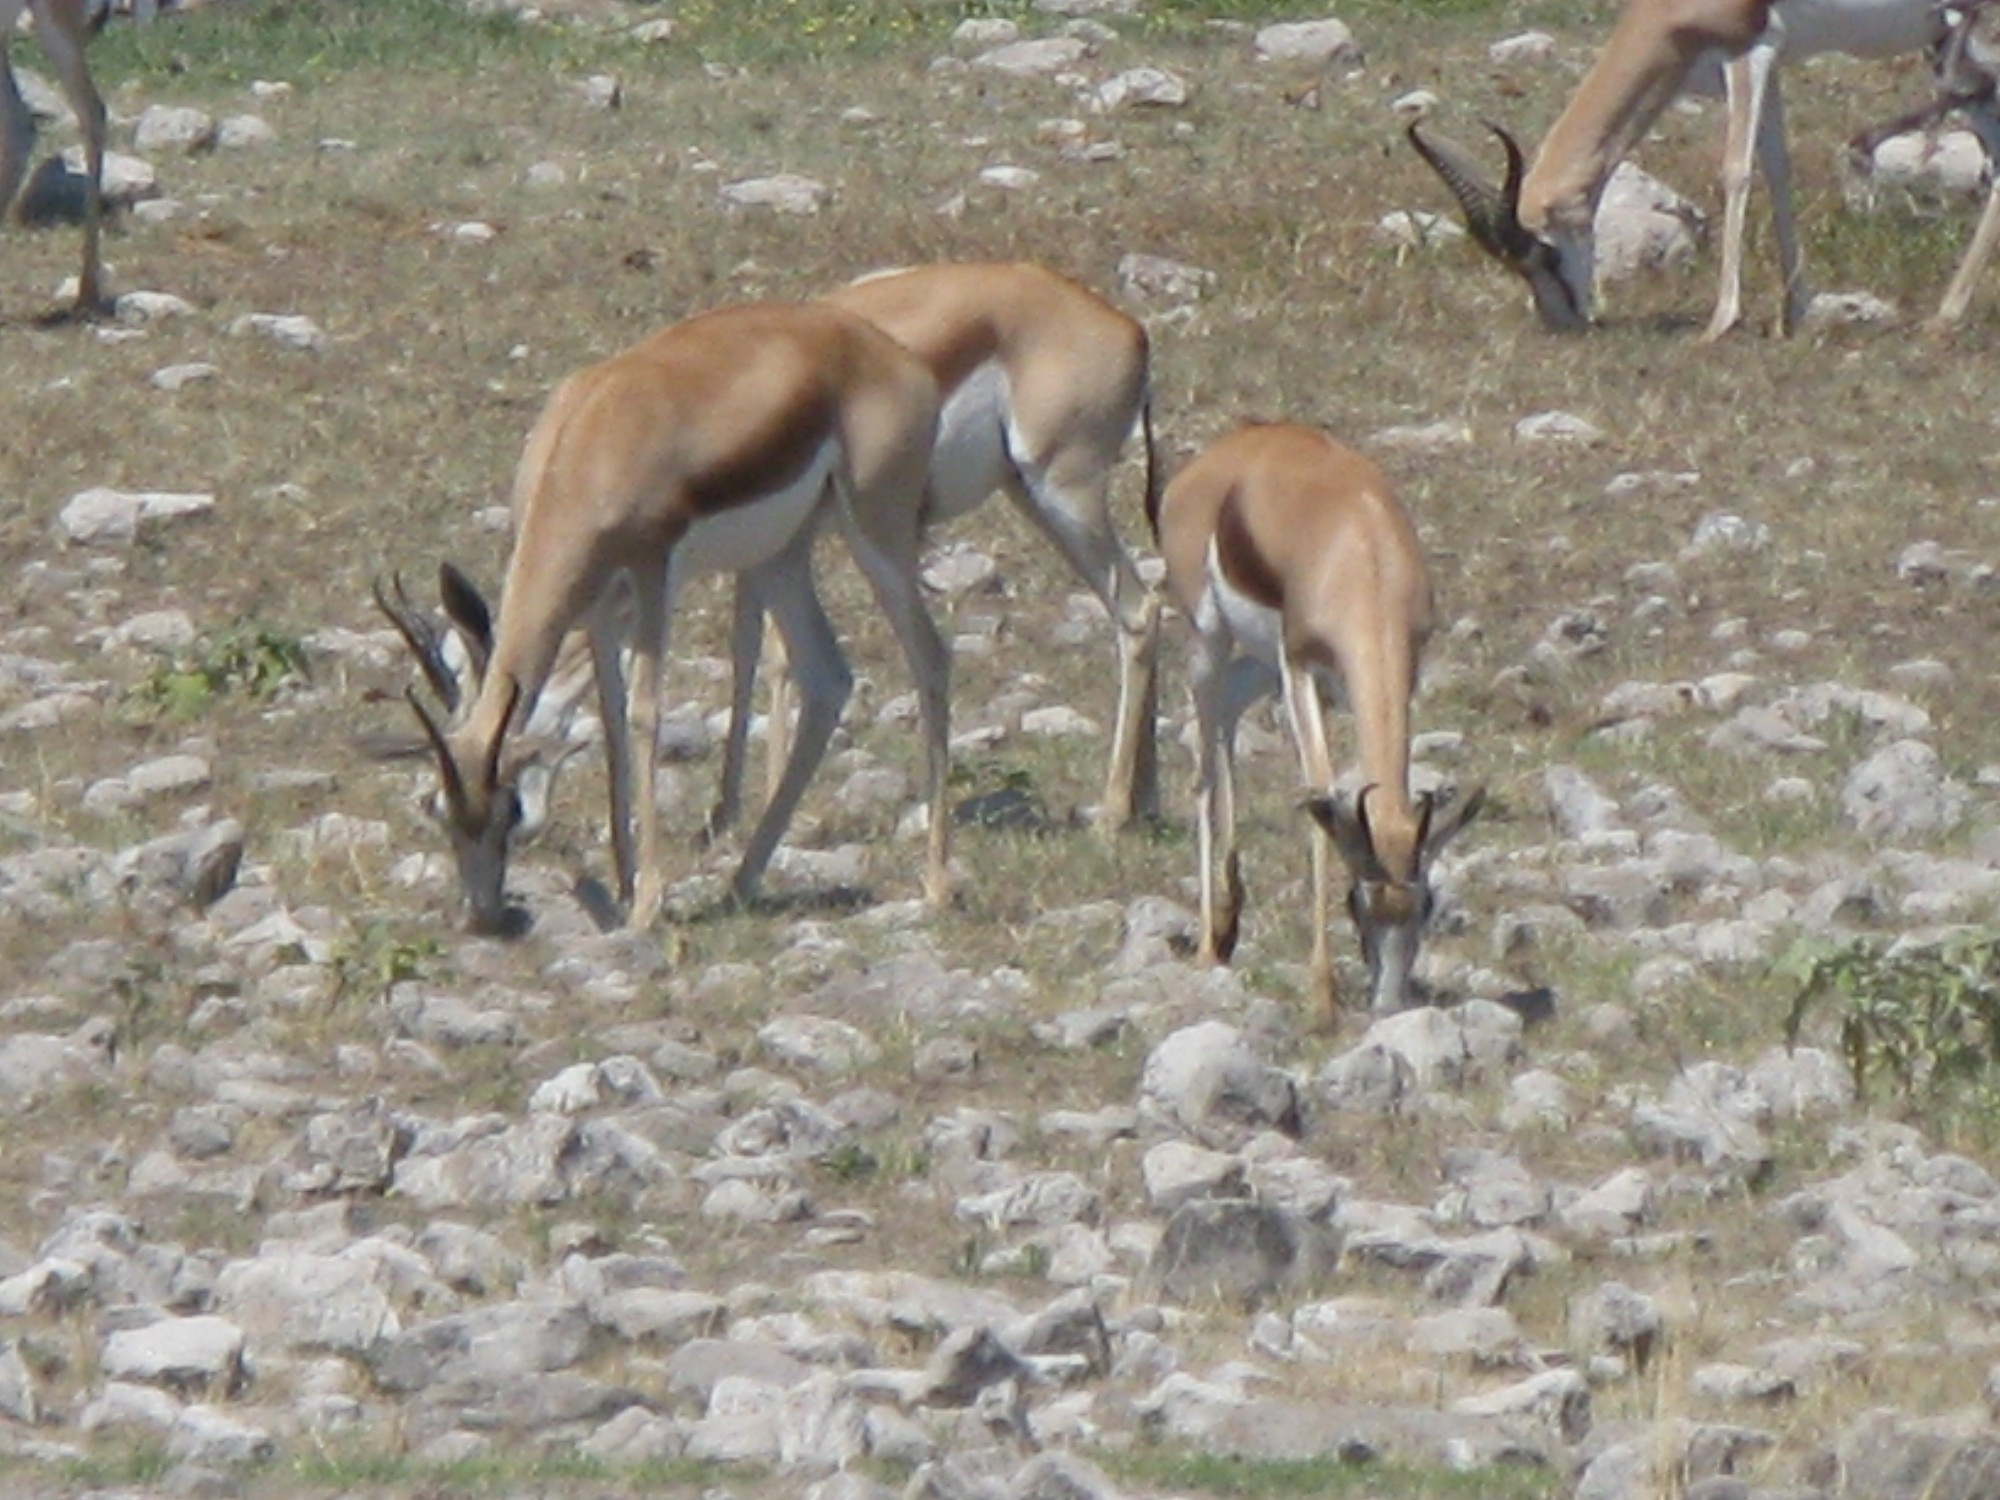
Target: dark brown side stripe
1245,568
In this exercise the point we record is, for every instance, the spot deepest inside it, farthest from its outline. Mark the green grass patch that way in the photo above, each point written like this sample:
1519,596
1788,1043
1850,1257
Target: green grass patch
1919,1025
310,40
246,658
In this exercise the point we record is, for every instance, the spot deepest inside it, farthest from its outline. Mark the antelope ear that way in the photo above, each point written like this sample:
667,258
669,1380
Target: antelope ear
466,608
1345,828
533,791
1447,825
534,788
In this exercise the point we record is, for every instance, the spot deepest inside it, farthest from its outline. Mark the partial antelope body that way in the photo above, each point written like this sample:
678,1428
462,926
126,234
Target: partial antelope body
1302,574
1538,223
1043,384
717,445
62,27
1967,69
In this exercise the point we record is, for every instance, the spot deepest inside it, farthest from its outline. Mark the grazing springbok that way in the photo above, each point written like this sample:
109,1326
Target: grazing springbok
1043,384
1538,223
1302,574
717,445
1967,69
63,27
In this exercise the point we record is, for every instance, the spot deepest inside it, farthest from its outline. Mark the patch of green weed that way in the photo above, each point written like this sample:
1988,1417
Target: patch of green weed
245,658
1918,1024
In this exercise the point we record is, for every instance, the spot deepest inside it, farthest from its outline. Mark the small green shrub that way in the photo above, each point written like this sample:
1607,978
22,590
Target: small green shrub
377,959
1925,1019
244,658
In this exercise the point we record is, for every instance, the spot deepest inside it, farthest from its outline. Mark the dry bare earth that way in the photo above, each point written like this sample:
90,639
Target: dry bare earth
304,1192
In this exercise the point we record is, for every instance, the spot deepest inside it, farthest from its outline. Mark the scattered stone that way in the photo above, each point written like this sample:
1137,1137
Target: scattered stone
1318,42
1206,1080
1557,427
1238,1251
286,330
1643,225
101,517
1901,791
165,127
1140,86
183,1354
1526,46
1039,58
1153,277
785,193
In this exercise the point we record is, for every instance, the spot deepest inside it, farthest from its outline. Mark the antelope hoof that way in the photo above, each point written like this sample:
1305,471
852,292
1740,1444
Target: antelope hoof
1720,327
1326,998
718,822
645,908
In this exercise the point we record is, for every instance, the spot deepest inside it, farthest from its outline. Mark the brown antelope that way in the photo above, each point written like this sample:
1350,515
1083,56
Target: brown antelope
1301,574
1043,384
62,27
1538,223
717,445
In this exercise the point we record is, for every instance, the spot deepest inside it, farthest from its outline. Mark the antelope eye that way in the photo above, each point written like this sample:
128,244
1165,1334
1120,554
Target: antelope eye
515,814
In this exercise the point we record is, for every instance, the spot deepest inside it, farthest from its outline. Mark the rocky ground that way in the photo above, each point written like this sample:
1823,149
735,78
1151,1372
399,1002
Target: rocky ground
307,1193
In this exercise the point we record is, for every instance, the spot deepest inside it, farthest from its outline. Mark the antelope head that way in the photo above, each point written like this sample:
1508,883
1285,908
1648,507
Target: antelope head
484,804
1389,911
1558,268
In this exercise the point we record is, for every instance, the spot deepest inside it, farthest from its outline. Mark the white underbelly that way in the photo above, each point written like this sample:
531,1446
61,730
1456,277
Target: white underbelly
1258,631
1865,28
728,541
969,459
1255,629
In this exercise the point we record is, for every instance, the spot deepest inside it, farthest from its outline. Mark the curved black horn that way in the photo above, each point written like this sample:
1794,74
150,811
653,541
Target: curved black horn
1510,190
1374,860
454,784
1491,214
490,771
420,635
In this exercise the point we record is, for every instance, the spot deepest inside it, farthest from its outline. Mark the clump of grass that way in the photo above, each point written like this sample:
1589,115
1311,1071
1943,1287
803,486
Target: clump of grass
1916,1023
304,40
252,660
378,959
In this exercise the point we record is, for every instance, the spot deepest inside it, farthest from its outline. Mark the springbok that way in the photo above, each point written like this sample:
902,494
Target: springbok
1043,383
1302,574
63,27
1967,69
1538,223
717,445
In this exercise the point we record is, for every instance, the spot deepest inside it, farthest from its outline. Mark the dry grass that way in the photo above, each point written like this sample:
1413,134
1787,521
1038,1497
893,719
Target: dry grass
380,453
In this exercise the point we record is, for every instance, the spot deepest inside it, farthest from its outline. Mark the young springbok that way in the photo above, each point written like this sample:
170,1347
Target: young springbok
717,445
1301,573
1043,383
1966,69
